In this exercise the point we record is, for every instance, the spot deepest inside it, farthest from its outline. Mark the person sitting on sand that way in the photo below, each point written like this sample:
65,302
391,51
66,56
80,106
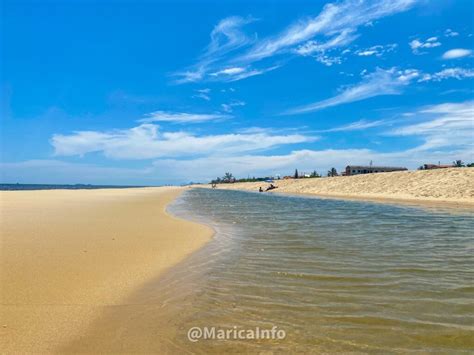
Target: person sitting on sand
260,189
271,187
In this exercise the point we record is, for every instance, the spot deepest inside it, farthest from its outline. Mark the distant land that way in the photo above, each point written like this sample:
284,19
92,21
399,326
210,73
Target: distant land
11,187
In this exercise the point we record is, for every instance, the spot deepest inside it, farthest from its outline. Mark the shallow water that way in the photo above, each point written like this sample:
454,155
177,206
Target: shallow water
336,276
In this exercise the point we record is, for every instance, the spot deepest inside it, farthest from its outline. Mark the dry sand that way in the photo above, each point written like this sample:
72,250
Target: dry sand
67,257
445,186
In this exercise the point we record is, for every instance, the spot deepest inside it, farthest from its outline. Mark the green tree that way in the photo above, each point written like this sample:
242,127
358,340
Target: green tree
332,172
228,177
458,164
296,174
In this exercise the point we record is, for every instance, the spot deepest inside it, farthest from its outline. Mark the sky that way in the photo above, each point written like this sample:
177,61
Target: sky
168,92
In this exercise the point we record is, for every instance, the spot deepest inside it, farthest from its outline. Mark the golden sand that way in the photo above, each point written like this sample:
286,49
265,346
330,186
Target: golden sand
446,186
67,257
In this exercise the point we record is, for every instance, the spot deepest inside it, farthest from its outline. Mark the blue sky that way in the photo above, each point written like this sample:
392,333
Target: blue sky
155,92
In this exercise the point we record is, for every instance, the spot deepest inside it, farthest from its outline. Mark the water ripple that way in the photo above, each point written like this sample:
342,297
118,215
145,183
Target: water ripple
338,276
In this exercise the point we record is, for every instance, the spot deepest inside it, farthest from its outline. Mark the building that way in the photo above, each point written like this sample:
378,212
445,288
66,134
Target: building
360,169
435,166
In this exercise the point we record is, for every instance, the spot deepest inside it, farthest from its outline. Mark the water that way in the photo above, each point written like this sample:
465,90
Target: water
337,276
15,187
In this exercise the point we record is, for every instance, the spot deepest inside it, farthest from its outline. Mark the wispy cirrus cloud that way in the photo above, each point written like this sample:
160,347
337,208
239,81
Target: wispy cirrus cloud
380,82
182,117
358,126
232,55
227,36
337,22
203,94
147,141
312,47
239,73
443,125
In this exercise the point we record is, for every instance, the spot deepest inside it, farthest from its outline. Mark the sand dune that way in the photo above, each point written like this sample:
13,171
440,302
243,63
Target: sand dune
454,186
68,256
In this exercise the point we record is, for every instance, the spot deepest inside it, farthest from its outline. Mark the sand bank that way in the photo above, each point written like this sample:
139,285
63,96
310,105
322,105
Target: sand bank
67,257
444,186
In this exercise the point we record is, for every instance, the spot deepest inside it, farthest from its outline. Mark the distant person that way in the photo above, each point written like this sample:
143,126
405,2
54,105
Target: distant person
271,187
260,189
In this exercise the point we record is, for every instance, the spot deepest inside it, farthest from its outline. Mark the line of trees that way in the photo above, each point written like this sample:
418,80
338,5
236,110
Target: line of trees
456,164
460,164
314,174
228,178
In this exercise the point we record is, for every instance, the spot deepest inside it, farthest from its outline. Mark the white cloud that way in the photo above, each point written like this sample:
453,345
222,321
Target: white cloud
377,50
229,71
230,106
182,117
357,126
446,132
444,125
366,52
165,171
147,142
417,44
227,36
207,168
316,48
238,73
456,73
450,33
203,94
456,53
334,27
333,21
327,60
381,82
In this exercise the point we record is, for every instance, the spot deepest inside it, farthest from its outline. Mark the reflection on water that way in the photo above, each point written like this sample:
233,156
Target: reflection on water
337,276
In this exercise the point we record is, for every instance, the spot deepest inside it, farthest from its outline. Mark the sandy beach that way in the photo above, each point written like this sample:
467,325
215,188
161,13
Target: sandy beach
453,186
68,256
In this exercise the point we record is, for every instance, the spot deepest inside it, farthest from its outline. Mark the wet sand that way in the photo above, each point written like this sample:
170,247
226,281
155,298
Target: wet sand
69,257
450,187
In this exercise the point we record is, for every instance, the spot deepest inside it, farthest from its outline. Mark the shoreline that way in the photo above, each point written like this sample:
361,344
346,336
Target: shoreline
68,257
451,187
384,200
156,317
